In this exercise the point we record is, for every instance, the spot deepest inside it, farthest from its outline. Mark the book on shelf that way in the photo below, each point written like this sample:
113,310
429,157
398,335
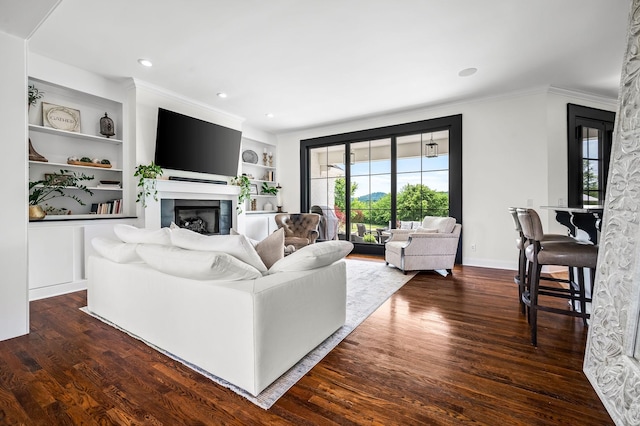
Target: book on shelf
108,207
108,186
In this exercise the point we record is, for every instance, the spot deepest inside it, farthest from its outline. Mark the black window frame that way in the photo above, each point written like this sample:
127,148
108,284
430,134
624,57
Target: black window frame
451,123
579,116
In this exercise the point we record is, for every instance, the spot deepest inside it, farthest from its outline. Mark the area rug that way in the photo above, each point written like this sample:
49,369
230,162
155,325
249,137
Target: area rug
369,285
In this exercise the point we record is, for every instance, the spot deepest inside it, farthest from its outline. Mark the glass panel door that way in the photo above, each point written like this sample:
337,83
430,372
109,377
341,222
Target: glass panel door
422,185
327,178
370,210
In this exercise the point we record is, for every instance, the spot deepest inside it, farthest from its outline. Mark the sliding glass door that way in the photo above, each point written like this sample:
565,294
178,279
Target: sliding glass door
365,186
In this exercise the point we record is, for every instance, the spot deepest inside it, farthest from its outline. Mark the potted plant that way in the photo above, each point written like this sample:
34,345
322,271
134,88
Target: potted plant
34,95
245,190
269,190
147,175
53,186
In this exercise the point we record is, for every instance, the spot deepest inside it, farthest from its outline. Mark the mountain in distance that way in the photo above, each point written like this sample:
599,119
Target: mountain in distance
374,196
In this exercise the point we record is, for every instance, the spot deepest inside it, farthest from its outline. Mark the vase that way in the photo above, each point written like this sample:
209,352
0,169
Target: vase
36,213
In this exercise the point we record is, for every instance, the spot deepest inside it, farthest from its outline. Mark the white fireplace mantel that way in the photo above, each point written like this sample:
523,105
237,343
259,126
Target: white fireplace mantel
172,189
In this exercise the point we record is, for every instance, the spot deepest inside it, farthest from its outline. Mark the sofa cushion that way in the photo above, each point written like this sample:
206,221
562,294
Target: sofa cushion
237,246
116,251
196,264
442,224
313,256
271,249
133,235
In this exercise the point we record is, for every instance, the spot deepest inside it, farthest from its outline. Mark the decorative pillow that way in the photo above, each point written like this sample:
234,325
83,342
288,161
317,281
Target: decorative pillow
195,264
313,256
442,224
271,249
422,230
405,224
131,234
415,224
237,246
115,250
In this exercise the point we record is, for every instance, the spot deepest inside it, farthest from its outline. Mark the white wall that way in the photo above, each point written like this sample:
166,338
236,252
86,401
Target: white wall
14,305
147,99
514,154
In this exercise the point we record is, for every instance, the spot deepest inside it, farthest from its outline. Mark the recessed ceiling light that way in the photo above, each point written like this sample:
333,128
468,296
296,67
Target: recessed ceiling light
270,115
145,62
222,95
467,72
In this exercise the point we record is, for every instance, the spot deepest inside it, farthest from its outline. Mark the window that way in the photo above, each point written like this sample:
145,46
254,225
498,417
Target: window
366,182
590,133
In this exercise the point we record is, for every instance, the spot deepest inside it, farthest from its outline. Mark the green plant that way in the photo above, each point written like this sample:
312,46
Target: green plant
369,238
147,175
267,189
245,190
54,184
34,94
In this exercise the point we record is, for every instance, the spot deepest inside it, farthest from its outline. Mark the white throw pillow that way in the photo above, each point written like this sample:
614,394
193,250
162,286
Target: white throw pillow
405,224
442,224
313,256
131,234
422,230
195,264
237,246
115,250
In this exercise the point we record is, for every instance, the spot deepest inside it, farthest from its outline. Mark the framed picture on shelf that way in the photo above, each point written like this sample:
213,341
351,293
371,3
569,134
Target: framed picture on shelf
60,117
253,189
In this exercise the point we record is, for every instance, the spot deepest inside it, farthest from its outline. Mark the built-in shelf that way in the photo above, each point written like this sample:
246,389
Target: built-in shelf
258,165
73,166
61,217
57,146
74,135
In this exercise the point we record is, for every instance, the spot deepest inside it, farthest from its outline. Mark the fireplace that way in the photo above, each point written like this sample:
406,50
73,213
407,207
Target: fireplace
203,220
208,217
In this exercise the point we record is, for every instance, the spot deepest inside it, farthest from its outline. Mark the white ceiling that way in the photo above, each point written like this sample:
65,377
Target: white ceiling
317,62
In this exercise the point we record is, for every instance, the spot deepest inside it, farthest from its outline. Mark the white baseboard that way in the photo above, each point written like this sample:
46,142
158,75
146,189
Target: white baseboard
56,290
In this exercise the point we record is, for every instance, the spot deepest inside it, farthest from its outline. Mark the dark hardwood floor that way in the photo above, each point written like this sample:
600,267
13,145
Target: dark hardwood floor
440,351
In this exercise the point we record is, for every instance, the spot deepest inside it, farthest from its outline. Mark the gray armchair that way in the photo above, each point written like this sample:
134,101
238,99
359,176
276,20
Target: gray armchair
430,247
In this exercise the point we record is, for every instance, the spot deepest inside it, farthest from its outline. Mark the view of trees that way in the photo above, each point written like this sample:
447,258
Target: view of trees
414,202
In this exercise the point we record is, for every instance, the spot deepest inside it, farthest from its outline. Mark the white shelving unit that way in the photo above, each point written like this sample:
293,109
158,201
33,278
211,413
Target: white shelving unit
259,223
260,173
58,145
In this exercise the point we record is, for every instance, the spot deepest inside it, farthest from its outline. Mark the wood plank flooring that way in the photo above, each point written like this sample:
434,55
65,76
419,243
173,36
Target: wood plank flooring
441,351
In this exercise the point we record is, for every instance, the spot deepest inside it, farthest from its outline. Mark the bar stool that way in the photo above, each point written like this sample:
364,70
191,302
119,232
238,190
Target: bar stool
539,253
521,244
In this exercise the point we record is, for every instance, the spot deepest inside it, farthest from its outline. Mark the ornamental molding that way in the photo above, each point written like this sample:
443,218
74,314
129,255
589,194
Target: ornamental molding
612,355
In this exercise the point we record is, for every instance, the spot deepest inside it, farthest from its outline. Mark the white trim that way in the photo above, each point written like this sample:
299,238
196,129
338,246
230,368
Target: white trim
56,290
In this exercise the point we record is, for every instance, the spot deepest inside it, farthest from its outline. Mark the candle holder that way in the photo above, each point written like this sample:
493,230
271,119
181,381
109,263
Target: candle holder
270,160
264,158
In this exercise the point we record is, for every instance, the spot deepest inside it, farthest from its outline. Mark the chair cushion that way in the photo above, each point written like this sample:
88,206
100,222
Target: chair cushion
442,224
565,254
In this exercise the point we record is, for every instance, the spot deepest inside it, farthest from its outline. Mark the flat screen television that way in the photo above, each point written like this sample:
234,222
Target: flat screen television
189,144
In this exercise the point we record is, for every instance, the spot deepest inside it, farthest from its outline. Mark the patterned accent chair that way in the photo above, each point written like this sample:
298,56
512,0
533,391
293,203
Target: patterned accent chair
432,246
299,229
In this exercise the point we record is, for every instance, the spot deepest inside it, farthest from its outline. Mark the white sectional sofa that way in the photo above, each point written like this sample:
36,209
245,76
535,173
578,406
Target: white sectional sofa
247,331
